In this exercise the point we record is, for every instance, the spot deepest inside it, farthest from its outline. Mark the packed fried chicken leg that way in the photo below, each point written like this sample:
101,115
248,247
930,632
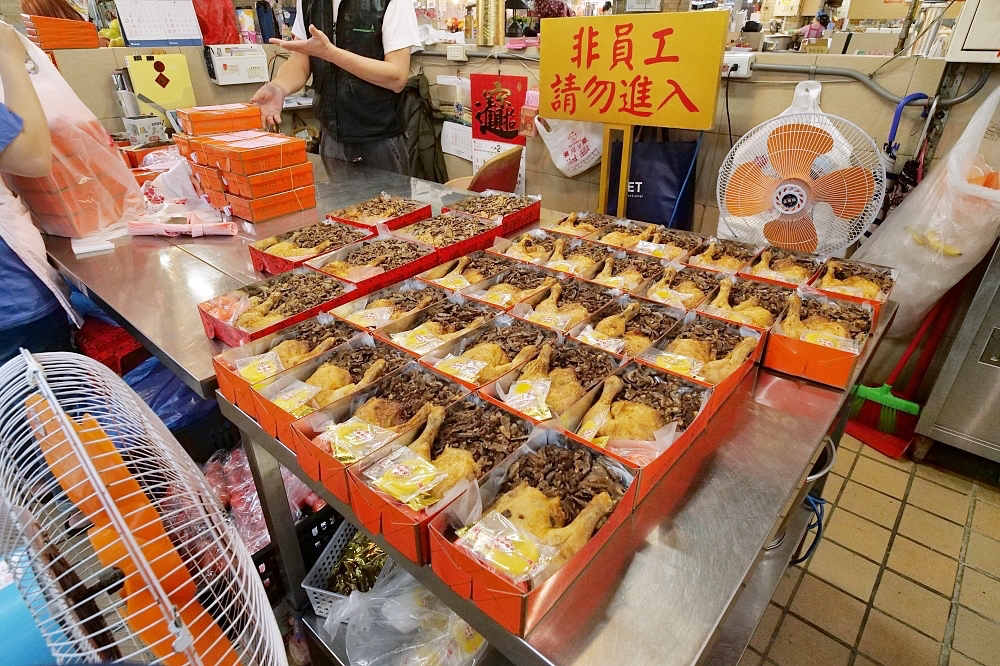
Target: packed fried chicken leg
571,539
829,280
614,326
599,411
716,371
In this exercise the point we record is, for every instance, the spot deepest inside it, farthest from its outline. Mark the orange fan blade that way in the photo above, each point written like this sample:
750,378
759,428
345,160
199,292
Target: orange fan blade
793,147
797,233
749,191
846,190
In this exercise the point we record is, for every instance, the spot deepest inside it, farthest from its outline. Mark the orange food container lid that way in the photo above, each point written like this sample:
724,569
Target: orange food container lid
269,182
201,146
266,153
220,118
266,208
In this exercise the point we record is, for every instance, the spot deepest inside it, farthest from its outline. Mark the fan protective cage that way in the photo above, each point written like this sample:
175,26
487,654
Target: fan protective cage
807,182
77,580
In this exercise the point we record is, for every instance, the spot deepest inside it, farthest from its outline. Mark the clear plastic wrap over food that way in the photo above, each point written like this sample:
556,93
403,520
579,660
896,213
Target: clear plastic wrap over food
943,228
89,187
400,623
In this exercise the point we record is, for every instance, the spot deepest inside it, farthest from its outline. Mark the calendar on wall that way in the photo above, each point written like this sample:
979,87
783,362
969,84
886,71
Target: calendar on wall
159,22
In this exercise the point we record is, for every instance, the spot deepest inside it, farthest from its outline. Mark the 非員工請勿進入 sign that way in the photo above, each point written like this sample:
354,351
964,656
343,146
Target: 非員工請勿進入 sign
633,69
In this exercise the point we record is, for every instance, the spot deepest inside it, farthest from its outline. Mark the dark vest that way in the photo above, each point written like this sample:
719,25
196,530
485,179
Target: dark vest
351,109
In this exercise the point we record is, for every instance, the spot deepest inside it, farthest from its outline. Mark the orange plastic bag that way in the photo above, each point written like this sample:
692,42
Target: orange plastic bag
90,187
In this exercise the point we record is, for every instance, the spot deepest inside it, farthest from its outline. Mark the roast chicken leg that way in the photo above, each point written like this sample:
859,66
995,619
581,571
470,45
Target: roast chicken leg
748,312
458,464
628,239
829,281
614,326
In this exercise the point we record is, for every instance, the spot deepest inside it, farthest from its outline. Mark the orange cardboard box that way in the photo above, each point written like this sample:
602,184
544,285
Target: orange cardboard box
183,143
275,420
511,221
876,302
210,178
480,241
556,321
236,388
773,277
587,334
265,262
820,361
257,155
502,244
420,211
402,526
728,315
201,120
352,311
216,313
747,251
201,146
652,462
687,240
306,431
276,205
418,345
371,278
144,175
439,275
513,605
216,199
495,391
682,367
440,357
504,301
270,182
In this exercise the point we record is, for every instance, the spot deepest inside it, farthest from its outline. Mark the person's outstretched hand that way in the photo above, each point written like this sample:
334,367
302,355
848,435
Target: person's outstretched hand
317,46
271,99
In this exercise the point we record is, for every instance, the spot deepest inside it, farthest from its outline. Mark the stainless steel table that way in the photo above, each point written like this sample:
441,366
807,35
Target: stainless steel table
684,581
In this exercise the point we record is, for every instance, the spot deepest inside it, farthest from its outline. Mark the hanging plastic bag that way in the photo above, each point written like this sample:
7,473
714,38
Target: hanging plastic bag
169,397
944,227
574,146
90,187
400,622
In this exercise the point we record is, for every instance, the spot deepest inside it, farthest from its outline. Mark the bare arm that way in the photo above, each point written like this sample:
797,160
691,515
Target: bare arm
30,154
393,72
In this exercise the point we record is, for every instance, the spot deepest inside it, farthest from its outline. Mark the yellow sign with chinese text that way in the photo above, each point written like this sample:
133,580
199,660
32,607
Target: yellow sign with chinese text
634,69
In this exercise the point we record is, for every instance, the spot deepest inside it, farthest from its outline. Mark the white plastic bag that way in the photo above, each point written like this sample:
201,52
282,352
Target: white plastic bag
90,187
943,228
400,623
574,145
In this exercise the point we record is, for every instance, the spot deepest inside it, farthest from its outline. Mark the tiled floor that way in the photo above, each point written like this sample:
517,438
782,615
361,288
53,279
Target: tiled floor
907,573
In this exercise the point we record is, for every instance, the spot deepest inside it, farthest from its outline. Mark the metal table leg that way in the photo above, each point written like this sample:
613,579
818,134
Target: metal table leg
278,516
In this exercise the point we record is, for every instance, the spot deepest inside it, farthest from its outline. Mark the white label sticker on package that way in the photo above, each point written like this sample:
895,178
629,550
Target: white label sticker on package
564,266
419,340
453,282
832,341
261,142
668,296
559,322
496,297
661,250
354,439
619,282
776,276
598,339
677,363
528,397
463,368
372,317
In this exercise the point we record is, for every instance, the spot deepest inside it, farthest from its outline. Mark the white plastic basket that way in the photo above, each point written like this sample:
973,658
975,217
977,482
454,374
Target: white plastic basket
315,581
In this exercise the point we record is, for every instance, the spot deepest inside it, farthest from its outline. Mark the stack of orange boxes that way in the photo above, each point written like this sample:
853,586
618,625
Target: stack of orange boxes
54,33
259,175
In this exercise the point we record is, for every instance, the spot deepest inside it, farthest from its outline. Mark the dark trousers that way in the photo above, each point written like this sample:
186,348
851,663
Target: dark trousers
386,154
48,334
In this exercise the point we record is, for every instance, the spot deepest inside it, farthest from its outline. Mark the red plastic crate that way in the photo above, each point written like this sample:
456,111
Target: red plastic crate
110,345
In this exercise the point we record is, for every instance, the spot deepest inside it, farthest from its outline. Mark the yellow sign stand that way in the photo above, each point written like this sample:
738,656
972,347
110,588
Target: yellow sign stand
661,70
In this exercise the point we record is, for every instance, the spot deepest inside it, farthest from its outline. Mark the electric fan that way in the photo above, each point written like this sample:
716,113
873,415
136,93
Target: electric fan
119,548
804,181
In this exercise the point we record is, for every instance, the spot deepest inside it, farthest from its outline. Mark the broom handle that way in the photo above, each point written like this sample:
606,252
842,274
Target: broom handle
950,301
914,343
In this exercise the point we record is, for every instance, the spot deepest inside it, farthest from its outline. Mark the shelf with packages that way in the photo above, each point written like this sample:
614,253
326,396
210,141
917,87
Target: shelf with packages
666,588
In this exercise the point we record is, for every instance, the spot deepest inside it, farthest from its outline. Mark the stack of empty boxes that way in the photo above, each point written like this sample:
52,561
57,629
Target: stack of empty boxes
258,175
